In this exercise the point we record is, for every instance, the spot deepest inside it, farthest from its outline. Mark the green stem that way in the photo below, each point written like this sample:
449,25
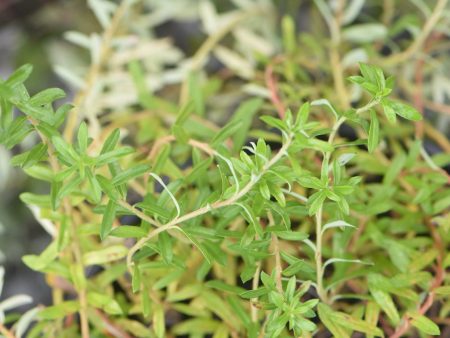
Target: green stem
319,264
326,161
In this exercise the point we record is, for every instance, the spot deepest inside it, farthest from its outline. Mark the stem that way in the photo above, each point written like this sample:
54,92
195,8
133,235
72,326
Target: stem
95,70
319,264
138,213
255,284
209,44
5,332
419,41
78,257
206,209
276,252
326,160
76,249
335,58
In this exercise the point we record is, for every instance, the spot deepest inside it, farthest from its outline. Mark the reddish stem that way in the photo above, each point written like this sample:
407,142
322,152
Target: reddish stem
272,85
439,278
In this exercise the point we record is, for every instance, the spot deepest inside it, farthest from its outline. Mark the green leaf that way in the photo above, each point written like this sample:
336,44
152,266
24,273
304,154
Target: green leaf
326,103
389,111
19,76
443,290
372,315
47,96
403,110
33,199
330,322
310,182
245,113
16,132
228,130
385,301
264,190
31,157
219,285
394,169
107,187
274,122
356,324
111,141
374,132
65,151
108,219
128,231
60,310
165,245
96,191
131,173
184,113
102,301
199,245
113,155
36,112
180,133
292,235
254,293
289,34
106,255
317,202
336,224
77,276
168,279
302,115
197,326
82,137
60,114
159,324
424,324
186,292
364,33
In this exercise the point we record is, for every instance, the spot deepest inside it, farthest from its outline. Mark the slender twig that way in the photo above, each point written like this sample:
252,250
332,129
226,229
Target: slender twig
78,257
439,107
437,137
138,213
76,249
326,161
335,58
95,69
5,332
418,96
276,252
419,40
112,329
210,43
255,284
271,84
319,260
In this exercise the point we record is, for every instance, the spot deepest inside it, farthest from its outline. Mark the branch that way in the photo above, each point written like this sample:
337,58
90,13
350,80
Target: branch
95,69
419,41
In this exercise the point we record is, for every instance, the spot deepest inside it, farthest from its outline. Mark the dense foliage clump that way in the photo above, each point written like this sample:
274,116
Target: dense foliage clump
309,210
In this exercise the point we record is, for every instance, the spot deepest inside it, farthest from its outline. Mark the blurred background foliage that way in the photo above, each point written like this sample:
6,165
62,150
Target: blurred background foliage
249,44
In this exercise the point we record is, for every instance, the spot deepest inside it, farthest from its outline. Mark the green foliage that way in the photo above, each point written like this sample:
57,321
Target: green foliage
233,229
